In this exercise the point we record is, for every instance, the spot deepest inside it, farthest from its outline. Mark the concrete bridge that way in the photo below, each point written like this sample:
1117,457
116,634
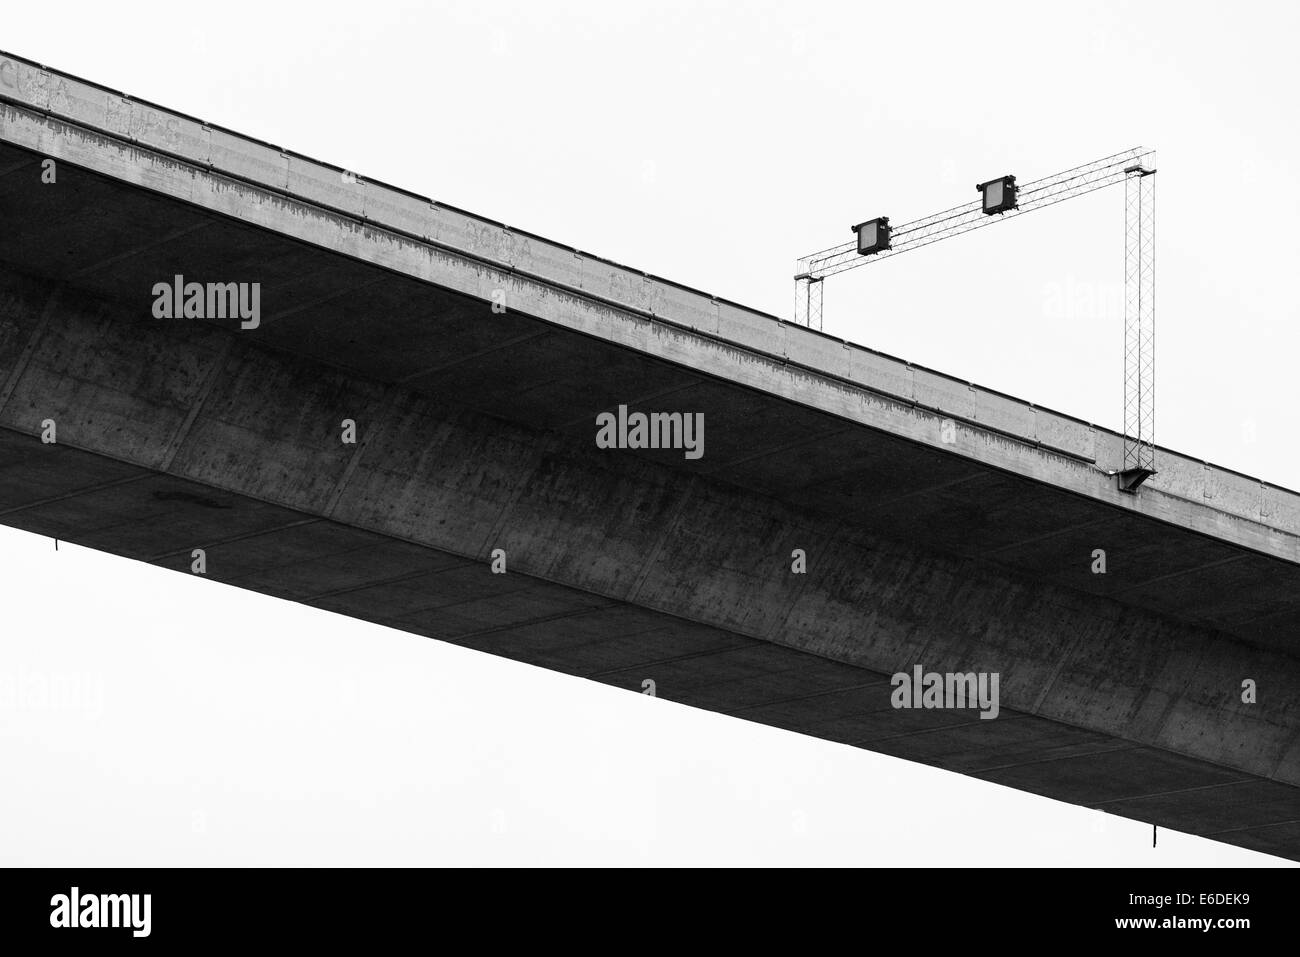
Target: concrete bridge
851,516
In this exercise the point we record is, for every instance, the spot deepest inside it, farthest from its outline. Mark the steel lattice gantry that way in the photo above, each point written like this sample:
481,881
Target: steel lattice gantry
1134,168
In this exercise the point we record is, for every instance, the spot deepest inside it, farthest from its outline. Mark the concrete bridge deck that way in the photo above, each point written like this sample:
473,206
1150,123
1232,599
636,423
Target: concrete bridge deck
944,524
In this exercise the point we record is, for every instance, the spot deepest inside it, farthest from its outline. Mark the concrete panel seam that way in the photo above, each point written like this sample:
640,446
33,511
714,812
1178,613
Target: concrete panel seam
508,343
1283,753
673,659
1035,539
535,460
867,742
669,525
285,313
378,583
1059,757
778,627
876,683
142,247
42,323
242,537
632,403
1182,572
81,491
381,424
15,167
788,446
540,620
1250,827
196,407
1202,787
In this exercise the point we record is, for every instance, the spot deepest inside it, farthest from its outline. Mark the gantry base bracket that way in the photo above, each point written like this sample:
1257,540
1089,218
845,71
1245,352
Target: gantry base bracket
1131,479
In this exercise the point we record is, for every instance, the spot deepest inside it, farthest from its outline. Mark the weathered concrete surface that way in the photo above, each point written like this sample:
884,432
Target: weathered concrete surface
477,432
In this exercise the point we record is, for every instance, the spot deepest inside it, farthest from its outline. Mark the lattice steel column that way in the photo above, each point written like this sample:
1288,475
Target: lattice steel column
808,301
1139,327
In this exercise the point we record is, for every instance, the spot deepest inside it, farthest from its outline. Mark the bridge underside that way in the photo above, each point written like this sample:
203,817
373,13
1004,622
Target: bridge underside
159,517
476,432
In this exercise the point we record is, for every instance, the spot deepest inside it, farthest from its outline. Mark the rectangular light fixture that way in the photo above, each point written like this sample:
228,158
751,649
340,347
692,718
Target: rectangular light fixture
999,194
873,235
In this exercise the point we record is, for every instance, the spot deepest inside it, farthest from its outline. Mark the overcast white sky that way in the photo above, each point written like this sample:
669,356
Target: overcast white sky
712,144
